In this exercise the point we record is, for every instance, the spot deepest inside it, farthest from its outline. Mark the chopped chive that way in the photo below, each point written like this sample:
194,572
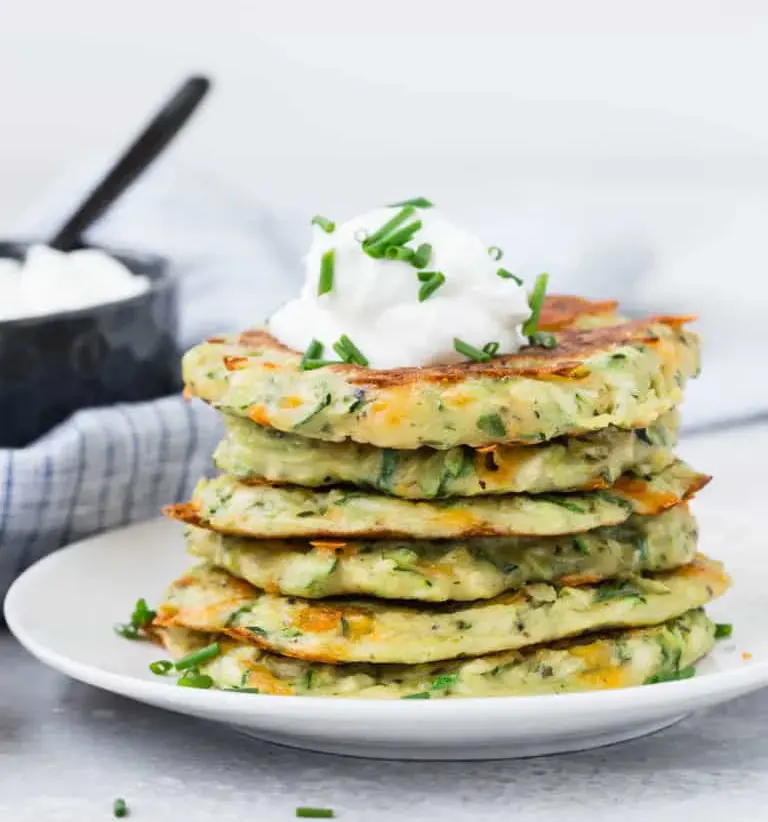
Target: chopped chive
390,225
327,225
315,813
399,252
126,630
397,237
580,545
492,424
618,589
161,667
563,503
419,202
496,253
431,285
241,690
314,352
120,808
543,339
422,256
425,276
671,676
312,365
204,654
419,695
325,284
536,302
470,351
194,679
341,349
508,275
723,630
142,614
444,682
614,499
349,352
491,348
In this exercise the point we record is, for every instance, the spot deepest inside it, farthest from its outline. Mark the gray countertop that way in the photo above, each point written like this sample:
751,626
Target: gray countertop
67,750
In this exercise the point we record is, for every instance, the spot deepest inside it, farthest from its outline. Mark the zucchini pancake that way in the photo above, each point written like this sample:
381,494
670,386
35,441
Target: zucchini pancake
458,569
206,599
437,481
229,507
252,453
624,375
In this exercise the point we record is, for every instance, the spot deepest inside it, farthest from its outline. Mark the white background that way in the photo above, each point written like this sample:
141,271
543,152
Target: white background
327,101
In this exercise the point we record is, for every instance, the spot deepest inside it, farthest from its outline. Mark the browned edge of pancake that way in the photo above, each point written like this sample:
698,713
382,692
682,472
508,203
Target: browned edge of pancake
701,565
634,489
564,361
561,310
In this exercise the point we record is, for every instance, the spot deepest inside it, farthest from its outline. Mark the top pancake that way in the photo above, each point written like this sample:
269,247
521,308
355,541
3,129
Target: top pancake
625,374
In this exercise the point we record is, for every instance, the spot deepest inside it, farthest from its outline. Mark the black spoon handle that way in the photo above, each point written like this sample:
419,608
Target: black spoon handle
139,156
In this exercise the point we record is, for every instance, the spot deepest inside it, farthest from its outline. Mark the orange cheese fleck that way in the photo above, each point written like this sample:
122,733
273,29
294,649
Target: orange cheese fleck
318,619
263,679
291,402
387,413
575,373
507,462
458,520
666,350
187,393
235,363
640,492
258,413
575,580
609,677
746,656
707,571
358,625
602,671
334,548
486,449
677,321
165,613
595,484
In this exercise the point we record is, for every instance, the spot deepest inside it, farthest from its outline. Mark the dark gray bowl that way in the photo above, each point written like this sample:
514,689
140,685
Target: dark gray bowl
124,351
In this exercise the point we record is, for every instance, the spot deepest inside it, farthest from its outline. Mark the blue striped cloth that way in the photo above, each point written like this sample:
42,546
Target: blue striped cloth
107,467
101,469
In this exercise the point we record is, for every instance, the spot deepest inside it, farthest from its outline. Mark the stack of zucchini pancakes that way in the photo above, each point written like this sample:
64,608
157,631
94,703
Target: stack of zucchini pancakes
512,526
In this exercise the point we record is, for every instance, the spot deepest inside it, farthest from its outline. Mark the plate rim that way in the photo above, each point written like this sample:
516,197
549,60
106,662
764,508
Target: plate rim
727,683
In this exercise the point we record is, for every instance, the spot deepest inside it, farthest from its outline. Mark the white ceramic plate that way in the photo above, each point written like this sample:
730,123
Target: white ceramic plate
63,609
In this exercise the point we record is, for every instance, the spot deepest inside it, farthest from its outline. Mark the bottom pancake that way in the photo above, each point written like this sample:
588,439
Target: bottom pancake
613,660
367,630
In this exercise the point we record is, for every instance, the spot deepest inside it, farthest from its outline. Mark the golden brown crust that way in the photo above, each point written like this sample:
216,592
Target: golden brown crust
564,361
186,512
335,627
561,310
647,501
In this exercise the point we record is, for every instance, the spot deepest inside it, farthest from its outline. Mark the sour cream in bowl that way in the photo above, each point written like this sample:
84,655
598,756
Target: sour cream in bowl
85,328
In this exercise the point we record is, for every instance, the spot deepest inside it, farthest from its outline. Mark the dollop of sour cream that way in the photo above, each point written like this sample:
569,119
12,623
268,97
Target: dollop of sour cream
375,301
49,281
